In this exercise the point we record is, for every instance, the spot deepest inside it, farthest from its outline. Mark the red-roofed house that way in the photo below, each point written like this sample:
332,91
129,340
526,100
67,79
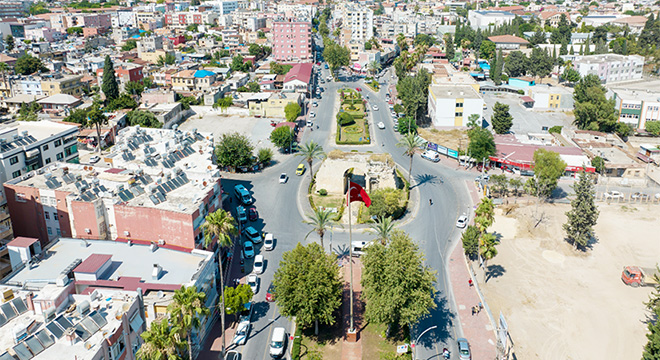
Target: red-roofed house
551,17
298,78
509,42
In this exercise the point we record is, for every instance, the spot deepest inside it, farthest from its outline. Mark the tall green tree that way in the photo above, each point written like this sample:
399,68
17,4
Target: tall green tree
109,86
482,144
234,150
652,347
292,111
517,64
450,51
494,75
186,308
142,118
10,42
540,63
311,151
410,144
28,64
236,298
571,75
95,119
548,168
487,49
583,215
593,111
224,103
502,120
321,220
282,137
484,216
336,55
413,92
470,240
308,285
161,342
397,285
220,227
538,37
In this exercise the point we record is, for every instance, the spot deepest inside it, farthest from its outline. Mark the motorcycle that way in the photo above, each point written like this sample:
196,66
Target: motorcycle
445,353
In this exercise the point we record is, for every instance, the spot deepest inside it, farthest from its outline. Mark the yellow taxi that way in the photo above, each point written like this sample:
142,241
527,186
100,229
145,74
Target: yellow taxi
300,170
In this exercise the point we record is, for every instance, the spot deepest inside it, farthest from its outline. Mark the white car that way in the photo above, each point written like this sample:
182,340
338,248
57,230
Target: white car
269,242
242,332
375,107
94,159
613,195
253,281
283,178
431,155
381,125
258,264
315,104
462,221
312,114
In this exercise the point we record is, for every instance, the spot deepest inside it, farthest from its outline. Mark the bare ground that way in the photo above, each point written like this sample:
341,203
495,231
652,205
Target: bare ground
447,138
561,303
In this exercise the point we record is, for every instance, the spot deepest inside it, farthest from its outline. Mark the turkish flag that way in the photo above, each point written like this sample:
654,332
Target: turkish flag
357,193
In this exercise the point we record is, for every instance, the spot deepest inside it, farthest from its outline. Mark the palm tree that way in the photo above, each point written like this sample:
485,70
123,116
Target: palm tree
410,144
311,151
96,119
4,68
161,342
186,308
222,225
375,67
321,220
484,215
382,229
487,248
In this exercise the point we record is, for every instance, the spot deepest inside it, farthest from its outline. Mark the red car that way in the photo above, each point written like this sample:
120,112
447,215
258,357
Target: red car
270,295
358,89
252,214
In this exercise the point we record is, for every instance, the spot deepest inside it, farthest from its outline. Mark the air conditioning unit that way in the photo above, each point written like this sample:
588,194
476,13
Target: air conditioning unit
88,231
83,308
161,242
127,233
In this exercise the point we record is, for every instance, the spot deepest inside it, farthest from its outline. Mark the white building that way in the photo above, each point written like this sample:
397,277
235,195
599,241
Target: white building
636,106
360,21
123,18
224,6
482,19
452,105
610,67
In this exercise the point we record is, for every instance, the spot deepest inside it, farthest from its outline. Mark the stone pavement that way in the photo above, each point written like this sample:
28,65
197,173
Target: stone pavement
352,350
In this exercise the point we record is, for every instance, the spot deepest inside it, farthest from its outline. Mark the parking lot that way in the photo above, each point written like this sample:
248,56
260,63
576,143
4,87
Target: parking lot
525,120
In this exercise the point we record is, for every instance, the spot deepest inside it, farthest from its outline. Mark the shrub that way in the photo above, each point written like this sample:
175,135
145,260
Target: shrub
387,202
323,192
295,348
345,119
555,130
521,92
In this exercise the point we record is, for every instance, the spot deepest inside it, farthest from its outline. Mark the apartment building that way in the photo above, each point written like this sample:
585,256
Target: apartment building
157,186
13,8
123,18
53,84
223,7
193,80
360,20
482,19
124,73
636,106
452,105
183,19
610,68
292,41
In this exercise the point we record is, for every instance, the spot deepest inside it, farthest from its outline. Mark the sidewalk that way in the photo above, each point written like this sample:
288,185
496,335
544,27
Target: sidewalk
477,329
352,350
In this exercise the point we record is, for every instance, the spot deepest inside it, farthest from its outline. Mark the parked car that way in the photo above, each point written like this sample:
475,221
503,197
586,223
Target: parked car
248,250
526,172
253,281
312,114
252,234
300,169
233,355
462,221
242,331
259,264
270,294
94,159
315,104
431,155
242,194
269,242
611,195
283,178
252,214
358,89
241,215
464,349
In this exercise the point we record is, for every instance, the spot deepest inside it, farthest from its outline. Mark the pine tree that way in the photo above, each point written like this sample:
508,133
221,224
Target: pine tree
571,51
581,49
494,75
109,85
563,50
502,120
583,214
587,46
652,347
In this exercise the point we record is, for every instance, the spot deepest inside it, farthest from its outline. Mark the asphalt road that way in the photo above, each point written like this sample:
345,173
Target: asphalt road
432,226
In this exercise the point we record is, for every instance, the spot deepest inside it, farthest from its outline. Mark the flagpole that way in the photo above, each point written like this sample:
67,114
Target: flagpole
350,253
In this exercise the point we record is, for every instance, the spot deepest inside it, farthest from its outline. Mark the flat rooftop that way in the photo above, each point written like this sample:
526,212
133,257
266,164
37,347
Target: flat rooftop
91,328
23,133
454,91
647,90
131,262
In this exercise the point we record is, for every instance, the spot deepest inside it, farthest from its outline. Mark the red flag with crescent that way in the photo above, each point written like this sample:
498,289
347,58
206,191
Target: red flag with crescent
357,193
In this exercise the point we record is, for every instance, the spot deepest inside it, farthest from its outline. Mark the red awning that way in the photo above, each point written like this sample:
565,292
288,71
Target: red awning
526,99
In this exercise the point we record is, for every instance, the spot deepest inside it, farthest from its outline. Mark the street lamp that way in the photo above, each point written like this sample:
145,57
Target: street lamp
417,340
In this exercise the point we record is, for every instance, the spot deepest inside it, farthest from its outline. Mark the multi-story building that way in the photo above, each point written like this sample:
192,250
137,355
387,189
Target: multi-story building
223,7
360,21
292,41
147,19
299,78
124,73
231,38
636,106
157,186
482,19
123,18
62,84
610,68
13,8
193,80
27,85
183,19
149,44
452,105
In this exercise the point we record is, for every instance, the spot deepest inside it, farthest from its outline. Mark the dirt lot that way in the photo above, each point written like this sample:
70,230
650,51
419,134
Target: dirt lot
446,138
566,304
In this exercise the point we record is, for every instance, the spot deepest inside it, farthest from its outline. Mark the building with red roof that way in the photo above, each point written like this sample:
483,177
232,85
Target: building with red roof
298,78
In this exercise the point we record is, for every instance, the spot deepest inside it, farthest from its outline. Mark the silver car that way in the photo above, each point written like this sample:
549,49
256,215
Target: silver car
464,349
462,221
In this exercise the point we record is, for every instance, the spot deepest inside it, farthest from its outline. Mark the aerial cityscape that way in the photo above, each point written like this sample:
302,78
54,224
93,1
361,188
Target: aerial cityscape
329,179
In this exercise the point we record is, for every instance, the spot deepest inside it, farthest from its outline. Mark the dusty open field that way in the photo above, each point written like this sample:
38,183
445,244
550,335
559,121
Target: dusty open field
452,139
565,304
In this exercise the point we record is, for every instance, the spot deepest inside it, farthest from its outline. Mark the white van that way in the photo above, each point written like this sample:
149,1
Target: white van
358,247
277,343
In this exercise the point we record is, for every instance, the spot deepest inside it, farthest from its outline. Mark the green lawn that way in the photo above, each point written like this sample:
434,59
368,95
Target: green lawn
357,133
375,343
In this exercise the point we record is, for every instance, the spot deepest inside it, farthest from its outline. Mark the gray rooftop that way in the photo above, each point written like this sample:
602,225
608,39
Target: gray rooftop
454,91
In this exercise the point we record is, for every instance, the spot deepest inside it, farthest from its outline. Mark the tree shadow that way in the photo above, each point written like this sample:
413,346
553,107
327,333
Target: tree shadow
328,334
442,317
260,309
558,193
341,251
494,271
589,246
422,179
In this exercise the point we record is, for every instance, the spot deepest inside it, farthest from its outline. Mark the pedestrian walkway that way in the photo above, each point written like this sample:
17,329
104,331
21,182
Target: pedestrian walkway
476,328
352,350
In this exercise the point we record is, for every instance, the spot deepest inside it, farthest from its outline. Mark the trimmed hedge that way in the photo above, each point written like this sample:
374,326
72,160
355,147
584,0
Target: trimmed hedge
297,340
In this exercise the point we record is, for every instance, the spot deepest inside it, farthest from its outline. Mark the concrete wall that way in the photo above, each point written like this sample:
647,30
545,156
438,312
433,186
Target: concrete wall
151,224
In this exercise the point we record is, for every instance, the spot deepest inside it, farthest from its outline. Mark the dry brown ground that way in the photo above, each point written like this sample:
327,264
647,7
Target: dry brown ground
566,304
447,138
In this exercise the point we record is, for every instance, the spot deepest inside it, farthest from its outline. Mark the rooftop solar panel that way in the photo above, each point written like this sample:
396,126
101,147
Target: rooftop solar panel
3,319
160,196
64,322
136,190
82,332
45,338
34,345
69,178
90,325
166,187
98,319
55,329
154,199
9,311
6,356
22,351
19,305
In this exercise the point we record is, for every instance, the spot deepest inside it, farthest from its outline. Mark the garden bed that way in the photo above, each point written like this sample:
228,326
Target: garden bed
357,131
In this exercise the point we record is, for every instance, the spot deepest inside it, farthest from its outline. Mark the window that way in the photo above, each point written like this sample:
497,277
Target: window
50,231
458,114
47,214
13,160
48,160
45,147
15,174
55,217
58,142
59,232
460,105
60,156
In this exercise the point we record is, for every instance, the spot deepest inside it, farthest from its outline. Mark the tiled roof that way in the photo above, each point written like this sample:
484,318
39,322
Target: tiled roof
508,39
